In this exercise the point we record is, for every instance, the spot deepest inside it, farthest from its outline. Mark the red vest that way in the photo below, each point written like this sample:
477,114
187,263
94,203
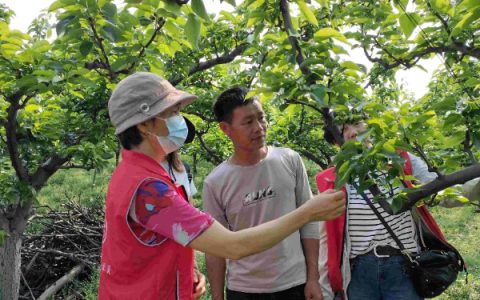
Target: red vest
130,269
335,228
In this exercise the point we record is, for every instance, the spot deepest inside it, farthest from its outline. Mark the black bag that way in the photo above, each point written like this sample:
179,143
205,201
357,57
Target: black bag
432,271
436,267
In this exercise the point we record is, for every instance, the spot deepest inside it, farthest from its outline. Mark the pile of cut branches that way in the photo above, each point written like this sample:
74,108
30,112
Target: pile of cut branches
60,246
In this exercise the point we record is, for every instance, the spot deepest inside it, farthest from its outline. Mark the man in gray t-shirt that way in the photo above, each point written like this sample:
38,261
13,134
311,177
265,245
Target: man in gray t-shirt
258,184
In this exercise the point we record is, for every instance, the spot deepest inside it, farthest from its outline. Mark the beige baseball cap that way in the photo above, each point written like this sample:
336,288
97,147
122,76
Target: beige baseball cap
141,96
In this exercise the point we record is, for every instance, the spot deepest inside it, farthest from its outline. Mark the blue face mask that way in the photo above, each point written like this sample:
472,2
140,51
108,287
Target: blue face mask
177,134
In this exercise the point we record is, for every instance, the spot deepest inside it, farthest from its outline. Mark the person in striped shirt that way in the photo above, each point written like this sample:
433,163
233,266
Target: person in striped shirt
368,261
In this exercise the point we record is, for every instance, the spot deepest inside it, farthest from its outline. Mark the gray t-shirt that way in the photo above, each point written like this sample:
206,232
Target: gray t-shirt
240,197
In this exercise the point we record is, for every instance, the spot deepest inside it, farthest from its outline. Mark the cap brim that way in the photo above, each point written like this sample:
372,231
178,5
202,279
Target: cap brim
173,98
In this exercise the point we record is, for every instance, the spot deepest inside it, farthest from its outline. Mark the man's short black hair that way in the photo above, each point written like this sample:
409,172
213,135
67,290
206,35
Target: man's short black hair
228,101
130,138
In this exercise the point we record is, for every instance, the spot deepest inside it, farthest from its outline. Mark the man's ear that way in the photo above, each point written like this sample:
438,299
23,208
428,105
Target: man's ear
225,127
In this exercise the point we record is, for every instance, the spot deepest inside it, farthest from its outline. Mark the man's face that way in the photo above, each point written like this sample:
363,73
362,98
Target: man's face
248,127
351,131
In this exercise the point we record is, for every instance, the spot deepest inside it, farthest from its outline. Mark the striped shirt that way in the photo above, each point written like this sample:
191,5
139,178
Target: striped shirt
365,229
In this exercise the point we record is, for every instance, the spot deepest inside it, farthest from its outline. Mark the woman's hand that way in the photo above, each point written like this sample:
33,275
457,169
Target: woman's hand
198,284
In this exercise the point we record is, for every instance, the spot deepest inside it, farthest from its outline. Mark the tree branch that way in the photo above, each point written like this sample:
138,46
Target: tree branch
325,111
73,166
313,158
215,158
431,168
75,257
201,66
328,119
467,147
288,28
47,169
314,107
58,285
442,183
11,132
439,17
158,27
415,56
98,40
257,69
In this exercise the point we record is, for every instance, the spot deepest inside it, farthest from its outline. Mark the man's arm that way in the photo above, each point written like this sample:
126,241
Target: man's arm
216,267
312,287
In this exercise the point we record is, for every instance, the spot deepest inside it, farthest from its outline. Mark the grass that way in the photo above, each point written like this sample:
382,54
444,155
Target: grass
461,227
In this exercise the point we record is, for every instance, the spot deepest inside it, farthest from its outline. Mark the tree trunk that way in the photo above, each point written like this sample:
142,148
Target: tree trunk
13,224
10,265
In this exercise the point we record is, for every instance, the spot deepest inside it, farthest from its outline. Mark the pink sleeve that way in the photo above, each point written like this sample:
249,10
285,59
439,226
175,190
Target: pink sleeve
159,208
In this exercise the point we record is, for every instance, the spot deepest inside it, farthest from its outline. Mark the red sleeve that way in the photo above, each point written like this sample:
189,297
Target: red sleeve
160,209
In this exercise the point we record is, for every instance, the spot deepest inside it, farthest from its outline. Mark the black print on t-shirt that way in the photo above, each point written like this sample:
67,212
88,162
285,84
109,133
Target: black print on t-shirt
258,196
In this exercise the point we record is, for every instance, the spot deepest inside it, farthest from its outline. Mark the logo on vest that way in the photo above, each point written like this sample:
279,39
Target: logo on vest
106,268
258,196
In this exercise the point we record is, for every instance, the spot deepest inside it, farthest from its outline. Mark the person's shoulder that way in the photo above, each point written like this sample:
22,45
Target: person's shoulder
157,183
218,172
283,151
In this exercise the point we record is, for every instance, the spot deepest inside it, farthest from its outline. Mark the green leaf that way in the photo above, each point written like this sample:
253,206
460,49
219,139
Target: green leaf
406,24
199,9
171,28
466,20
227,16
454,140
192,30
472,82
120,64
326,33
307,13
26,82
112,33
318,93
86,47
351,65
453,119
110,11
62,24
442,6
256,4
172,6
60,4
396,204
